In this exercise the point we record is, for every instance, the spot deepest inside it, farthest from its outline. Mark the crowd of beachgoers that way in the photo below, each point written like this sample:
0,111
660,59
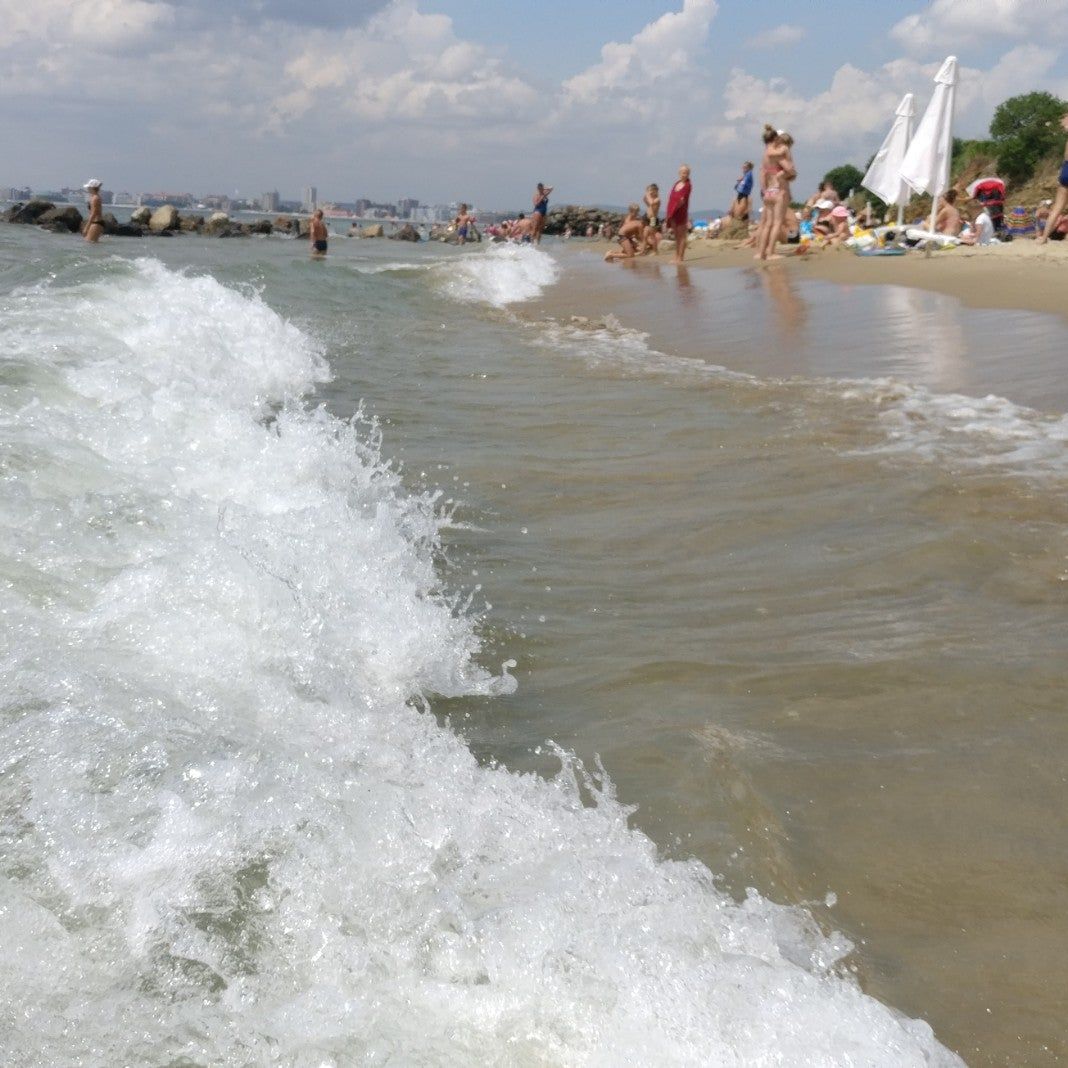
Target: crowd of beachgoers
971,217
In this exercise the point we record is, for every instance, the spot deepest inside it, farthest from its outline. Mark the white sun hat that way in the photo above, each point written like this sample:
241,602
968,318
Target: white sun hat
93,183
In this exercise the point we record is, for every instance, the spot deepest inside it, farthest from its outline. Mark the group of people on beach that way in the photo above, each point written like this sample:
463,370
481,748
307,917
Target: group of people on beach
641,230
824,215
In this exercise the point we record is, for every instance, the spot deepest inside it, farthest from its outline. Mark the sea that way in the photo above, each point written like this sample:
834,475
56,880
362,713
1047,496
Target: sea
489,656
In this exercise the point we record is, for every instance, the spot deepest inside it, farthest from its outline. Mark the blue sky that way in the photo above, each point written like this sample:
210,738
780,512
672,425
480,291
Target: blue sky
477,99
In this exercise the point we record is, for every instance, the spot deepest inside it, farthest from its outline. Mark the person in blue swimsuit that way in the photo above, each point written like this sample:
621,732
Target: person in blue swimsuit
1062,191
743,190
541,209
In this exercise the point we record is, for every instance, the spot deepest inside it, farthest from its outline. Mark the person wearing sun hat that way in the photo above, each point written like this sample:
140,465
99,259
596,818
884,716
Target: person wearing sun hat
94,225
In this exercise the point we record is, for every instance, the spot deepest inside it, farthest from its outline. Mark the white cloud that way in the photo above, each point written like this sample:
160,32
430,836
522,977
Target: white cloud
662,51
102,25
404,66
949,25
777,37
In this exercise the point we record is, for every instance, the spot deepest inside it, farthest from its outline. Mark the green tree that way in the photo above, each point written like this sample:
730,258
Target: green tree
844,179
1025,129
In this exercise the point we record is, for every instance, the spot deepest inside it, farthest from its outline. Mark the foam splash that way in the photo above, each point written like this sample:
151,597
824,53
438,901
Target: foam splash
228,834
979,434
498,275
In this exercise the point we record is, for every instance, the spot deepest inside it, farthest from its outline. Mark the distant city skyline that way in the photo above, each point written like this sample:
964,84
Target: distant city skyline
433,100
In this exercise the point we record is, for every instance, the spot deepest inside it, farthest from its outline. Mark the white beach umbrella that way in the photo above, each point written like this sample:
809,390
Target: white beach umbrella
926,163
884,175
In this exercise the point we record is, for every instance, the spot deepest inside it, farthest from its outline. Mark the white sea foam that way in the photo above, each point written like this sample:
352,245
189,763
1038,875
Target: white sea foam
979,434
498,275
973,433
229,837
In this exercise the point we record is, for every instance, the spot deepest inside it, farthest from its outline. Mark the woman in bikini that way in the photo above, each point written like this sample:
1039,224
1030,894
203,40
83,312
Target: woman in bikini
776,173
94,225
1062,191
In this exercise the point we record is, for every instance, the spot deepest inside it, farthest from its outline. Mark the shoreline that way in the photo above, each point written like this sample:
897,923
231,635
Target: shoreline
1021,275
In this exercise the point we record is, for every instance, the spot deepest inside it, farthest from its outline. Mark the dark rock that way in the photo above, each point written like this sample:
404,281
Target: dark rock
579,219
406,233
286,225
67,218
28,213
190,224
125,230
260,226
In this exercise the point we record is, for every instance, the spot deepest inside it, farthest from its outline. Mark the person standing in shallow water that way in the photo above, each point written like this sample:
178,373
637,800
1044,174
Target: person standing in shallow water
541,209
1062,191
317,235
94,225
677,220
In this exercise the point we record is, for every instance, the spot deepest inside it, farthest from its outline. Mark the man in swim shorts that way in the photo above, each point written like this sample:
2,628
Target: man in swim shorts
94,225
1062,190
318,235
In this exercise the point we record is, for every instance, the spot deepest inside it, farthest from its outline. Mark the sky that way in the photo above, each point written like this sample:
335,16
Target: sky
476,100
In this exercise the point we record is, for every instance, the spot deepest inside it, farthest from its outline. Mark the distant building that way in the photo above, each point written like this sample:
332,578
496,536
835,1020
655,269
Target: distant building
406,206
309,198
362,206
270,201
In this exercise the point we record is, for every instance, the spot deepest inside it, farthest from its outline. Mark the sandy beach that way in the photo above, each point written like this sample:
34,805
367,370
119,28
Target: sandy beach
1021,274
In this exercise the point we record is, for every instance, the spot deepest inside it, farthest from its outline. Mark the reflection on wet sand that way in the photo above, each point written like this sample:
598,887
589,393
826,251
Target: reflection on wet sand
791,312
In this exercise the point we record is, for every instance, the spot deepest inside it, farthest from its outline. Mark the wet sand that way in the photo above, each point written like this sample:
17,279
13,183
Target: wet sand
1021,274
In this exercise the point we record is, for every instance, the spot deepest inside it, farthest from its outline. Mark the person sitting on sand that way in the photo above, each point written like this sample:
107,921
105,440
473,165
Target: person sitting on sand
743,191
317,235
1041,215
948,220
94,224
631,236
1060,201
839,221
677,219
826,191
981,231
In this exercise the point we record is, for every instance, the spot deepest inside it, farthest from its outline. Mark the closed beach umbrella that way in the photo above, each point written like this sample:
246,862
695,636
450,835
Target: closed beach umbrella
884,175
926,164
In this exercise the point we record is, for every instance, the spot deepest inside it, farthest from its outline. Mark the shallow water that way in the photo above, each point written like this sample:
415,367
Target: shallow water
805,596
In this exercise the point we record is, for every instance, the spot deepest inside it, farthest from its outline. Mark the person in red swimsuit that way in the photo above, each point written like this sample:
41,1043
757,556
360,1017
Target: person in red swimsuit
677,220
